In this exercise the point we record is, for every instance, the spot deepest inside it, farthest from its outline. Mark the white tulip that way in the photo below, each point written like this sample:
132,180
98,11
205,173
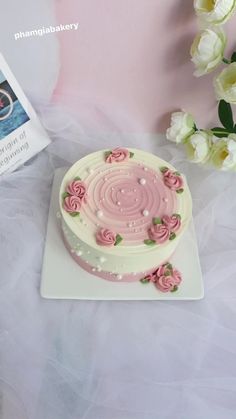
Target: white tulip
198,146
225,84
214,11
181,126
224,153
207,50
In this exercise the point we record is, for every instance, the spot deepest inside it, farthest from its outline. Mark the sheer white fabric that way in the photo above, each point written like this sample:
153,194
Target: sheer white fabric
119,360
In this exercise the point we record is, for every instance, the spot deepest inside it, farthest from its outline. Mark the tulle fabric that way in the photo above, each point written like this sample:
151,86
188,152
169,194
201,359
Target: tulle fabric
114,360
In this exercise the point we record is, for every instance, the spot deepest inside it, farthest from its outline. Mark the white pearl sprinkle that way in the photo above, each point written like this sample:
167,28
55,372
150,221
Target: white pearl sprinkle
118,203
90,170
99,268
145,213
135,190
102,259
122,191
119,277
129,224
79,253
165,199
136,199
112,188
99,214
58,215
72,250
145,169
93,269
142,181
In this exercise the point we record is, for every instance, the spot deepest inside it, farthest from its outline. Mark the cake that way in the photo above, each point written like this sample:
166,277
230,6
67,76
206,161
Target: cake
123,213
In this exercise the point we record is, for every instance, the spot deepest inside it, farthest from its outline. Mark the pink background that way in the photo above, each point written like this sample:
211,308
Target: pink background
129,63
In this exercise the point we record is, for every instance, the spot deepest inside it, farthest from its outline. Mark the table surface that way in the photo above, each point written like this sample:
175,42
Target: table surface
119,360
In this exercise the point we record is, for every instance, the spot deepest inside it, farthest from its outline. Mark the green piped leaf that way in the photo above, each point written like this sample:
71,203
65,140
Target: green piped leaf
164,169
169,266
74,214
131,154
177,173
156,220
144,280
180,190
172,236
177,215
167,273
107,153
118,239
226,114
65,194
149,242
175,289
77,178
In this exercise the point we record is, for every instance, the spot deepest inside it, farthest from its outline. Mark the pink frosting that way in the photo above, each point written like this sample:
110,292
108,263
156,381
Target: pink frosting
165,282
77,188
105,237
172,181
173,222
159,232
72,203
118,155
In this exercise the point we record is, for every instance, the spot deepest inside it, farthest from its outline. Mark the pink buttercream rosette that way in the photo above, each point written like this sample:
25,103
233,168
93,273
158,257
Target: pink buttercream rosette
75,195
165,229
173,180
105,237
165,278
117,155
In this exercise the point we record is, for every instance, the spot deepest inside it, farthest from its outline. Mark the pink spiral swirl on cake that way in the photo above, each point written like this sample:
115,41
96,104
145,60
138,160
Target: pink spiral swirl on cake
125,198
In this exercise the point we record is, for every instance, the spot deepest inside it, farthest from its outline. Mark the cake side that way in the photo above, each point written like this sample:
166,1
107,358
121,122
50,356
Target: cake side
128,198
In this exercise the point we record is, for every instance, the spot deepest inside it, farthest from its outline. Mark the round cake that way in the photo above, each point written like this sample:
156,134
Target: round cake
123,213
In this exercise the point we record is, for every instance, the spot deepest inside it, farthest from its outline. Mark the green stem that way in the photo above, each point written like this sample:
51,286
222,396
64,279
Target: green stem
226,61
221,132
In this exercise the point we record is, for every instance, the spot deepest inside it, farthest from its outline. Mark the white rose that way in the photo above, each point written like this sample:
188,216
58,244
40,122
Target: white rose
207,50
215,11
198,146
224,153
225,84
181,126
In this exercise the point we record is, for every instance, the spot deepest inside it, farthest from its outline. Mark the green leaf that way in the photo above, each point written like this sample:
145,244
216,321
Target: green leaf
107,153
172,236
65,194
180,190
118,239
131,155
177,173
74,214
174,289
77,178
156,220
144,280
164,169
233,57
177,215
169,266
226,115
149,242
167,273
220,132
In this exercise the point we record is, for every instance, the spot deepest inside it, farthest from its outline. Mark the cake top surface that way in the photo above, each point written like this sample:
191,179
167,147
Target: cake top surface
124,199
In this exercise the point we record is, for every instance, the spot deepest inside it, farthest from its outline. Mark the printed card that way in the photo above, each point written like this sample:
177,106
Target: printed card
21,133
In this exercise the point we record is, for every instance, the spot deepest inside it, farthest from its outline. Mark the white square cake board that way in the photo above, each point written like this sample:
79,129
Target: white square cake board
63,278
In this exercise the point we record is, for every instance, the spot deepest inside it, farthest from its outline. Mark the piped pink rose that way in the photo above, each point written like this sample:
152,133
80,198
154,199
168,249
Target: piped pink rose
169,281
173,181
72,204
118,155
173,222
77,188
160,233
105,237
